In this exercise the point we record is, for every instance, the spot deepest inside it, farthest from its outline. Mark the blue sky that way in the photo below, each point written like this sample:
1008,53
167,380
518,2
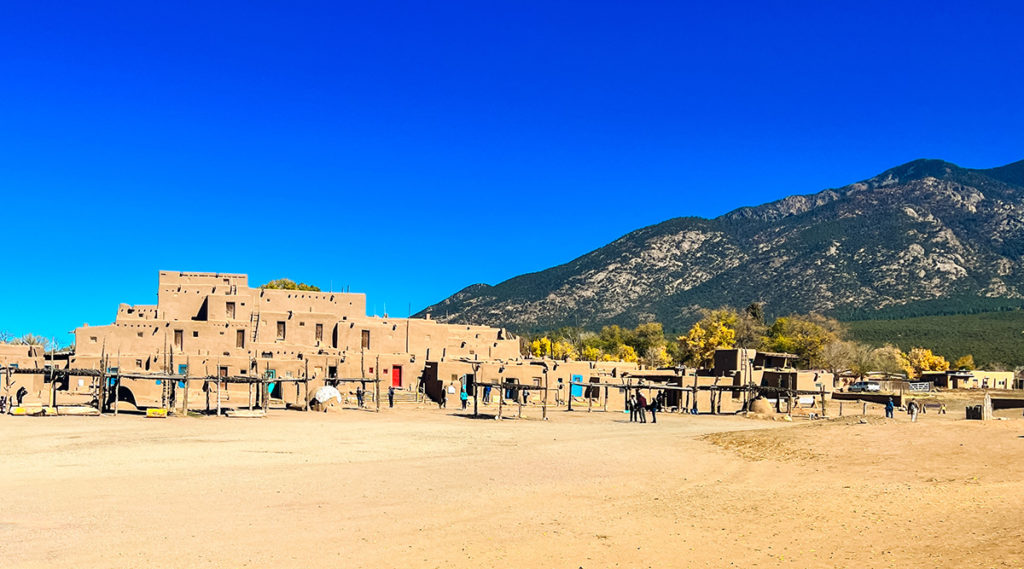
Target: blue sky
407,150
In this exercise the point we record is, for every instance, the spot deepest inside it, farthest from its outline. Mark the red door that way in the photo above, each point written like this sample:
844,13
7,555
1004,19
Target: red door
396,376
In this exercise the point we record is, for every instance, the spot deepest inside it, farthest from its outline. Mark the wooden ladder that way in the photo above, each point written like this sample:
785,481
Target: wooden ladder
254,324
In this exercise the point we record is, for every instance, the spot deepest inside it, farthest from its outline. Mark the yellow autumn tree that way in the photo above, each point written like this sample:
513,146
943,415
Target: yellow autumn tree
562,350
657,357
711,333
626,354
922,359
966,362
591,354
541,347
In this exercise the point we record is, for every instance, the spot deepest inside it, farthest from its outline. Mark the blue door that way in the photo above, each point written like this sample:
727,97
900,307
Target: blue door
577,388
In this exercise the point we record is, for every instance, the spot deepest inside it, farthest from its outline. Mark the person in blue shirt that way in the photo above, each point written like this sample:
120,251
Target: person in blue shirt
889,408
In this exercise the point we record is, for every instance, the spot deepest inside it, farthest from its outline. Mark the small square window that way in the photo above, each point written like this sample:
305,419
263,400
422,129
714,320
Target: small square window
195,333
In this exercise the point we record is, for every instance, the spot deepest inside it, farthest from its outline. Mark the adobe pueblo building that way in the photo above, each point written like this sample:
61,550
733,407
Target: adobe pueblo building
216,325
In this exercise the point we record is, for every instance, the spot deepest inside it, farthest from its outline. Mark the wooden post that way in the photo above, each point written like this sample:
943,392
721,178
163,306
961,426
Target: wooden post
606,398
823,401
475,385
864,408
184,403
206,390
376,393
117,387
590,400
840,408
501,398
305,395
218,391
544,406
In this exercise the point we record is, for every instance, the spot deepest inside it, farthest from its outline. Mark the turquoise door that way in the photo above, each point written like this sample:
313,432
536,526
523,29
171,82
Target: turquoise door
577,388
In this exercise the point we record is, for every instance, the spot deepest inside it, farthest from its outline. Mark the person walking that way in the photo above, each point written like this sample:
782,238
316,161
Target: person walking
942,408
464,397
889,408
359,396
442,403
391,396
912,409
641,405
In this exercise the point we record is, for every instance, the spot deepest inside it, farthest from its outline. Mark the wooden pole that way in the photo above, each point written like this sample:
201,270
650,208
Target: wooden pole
501,398
823,401
544,405
184,405
376,393
840,408
864,408
605,398
218,391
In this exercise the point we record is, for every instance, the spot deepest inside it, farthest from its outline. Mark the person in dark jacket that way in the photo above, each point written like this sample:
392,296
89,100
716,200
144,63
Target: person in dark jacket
889,408
641,405
391,396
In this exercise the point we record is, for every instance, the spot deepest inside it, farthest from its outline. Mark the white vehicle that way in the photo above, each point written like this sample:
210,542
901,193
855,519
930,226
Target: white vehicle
866,386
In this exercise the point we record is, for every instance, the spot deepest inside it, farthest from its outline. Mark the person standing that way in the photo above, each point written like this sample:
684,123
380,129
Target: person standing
889,408
391,396
464,397
487,395
912,409
641,405
442,403
654,409
359,397
631,405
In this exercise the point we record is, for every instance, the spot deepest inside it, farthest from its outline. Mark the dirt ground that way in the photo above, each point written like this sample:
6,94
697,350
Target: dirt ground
427,488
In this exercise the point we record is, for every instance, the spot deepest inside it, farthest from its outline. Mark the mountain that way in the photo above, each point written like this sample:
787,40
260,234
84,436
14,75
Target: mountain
926,237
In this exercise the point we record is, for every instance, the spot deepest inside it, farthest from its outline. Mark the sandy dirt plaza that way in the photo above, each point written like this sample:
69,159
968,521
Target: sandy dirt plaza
421,487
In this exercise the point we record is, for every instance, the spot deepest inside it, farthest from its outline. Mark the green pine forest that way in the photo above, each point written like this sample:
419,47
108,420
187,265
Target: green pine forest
992,337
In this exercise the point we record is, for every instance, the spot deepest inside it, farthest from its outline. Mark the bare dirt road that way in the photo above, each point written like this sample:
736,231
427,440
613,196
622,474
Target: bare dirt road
423,488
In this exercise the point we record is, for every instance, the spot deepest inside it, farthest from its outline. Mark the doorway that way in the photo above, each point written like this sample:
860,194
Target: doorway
396,376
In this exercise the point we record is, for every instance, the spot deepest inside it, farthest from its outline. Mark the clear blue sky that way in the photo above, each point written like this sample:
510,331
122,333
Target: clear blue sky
407,150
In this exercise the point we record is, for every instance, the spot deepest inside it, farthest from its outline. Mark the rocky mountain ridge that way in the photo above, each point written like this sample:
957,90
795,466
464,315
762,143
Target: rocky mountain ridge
927,235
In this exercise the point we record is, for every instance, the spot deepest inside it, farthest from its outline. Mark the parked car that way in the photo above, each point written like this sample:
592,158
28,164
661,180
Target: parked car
865,386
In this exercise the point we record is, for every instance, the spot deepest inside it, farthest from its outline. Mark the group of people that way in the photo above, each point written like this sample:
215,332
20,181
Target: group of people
913,409
638,406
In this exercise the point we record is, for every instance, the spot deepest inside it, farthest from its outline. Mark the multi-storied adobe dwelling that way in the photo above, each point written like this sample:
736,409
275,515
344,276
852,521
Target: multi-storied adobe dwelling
216,324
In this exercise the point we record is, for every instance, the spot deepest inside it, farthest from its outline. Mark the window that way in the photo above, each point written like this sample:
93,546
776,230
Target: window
195,333
240,339
140,334
319,332
229,308
366,339
92,339
280,330
179,339
223,371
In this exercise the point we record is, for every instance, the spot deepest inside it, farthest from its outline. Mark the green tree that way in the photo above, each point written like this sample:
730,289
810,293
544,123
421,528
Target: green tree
803,335
288,284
